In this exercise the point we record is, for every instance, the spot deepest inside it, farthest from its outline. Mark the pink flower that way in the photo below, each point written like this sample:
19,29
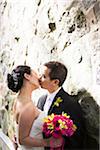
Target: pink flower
58,125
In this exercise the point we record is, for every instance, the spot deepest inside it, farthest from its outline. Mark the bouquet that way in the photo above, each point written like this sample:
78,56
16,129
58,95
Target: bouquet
58,125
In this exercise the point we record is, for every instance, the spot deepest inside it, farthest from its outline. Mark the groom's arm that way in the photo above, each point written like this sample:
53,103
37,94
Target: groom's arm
75,112
41,102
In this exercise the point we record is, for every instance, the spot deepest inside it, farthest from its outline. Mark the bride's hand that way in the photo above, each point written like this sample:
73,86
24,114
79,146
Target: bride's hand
54,142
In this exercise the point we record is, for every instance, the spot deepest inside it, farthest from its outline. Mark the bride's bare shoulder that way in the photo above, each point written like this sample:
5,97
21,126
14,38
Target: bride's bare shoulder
28,111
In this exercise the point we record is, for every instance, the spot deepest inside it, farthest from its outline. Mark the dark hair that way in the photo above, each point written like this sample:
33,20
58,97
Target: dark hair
15,79
57,71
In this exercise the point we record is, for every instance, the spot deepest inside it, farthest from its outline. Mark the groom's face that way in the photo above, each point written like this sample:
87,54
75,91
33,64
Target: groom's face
45,80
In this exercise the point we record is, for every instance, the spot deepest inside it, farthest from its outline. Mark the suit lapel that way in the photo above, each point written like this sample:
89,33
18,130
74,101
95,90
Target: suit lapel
55,98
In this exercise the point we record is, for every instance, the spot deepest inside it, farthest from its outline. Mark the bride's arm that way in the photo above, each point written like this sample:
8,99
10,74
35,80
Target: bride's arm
26,119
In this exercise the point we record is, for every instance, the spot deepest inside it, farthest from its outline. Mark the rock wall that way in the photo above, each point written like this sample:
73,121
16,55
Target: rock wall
35,31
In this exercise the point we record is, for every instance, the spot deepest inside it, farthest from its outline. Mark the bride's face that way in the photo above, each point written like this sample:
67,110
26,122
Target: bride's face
34,79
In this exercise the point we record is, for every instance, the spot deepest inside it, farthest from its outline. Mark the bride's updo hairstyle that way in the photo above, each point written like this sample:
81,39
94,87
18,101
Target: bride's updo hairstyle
15,79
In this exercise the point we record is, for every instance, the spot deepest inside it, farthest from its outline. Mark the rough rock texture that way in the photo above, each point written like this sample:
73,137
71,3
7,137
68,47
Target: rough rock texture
35,31
90,111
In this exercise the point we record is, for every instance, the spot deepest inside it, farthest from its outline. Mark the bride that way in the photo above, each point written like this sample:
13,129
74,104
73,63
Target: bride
29,119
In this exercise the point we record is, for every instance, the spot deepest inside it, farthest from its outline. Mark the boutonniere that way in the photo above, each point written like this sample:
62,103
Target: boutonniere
57,102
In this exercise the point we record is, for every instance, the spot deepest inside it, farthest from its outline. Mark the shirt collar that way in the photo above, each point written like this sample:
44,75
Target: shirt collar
52,95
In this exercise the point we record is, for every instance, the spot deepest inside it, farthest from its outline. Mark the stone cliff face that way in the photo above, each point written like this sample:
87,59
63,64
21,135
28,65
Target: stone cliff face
36,31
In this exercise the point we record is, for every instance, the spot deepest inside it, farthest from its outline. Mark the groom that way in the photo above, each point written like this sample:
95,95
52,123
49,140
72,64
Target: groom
58,101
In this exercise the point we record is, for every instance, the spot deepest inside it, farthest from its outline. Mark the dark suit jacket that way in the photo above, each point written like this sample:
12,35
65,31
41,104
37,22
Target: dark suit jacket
72,108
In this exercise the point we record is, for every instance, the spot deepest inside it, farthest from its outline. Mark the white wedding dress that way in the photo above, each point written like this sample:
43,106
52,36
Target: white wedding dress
36,131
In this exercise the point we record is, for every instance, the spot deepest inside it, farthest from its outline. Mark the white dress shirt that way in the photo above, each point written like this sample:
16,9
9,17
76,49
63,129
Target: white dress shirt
49,100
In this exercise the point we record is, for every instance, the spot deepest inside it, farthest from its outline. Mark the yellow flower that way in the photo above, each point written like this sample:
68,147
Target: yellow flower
74,127
49,118
62,124
51,126
65,114
57,102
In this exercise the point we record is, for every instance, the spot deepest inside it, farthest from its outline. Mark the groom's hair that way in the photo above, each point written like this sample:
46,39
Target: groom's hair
57,71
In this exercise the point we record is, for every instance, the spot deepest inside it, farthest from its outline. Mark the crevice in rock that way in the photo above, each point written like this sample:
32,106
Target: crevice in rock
80,60
39,3
52,26
80,19
71,29
17,38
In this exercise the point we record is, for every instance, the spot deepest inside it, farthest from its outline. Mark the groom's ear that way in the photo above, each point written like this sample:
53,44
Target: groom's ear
56,81
26,76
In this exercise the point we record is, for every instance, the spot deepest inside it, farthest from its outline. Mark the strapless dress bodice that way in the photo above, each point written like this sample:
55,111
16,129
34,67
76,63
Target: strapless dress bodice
36,131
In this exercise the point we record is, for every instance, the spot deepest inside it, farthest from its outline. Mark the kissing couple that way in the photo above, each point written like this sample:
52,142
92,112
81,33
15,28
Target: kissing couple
29,118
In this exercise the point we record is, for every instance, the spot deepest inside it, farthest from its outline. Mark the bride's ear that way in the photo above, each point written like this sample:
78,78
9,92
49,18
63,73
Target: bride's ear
26,76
